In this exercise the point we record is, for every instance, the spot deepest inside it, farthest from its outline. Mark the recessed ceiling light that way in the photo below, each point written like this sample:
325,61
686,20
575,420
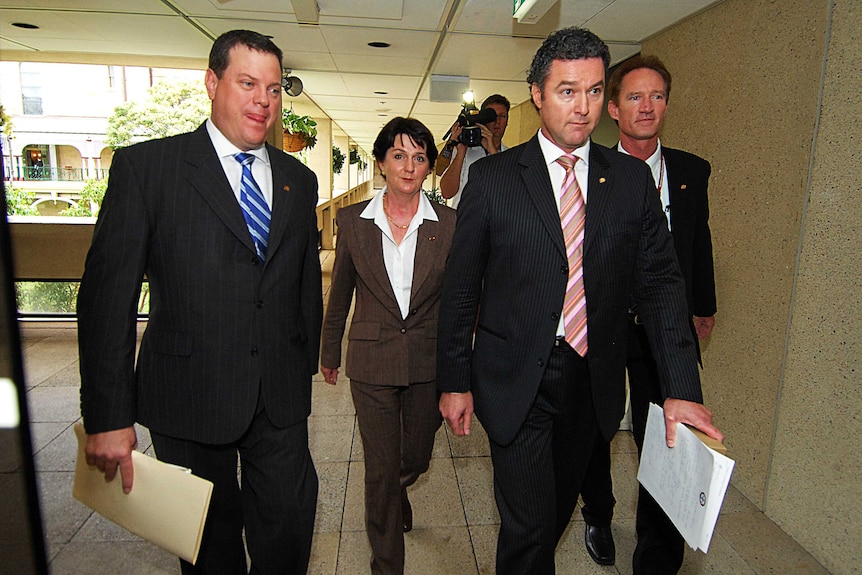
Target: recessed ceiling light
379,44
25,25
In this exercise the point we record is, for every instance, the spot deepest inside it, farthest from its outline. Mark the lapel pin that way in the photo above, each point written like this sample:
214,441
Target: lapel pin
682,187
286,188
602,180
432,238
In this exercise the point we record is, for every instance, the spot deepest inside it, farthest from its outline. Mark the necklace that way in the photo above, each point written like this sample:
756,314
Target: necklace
388,217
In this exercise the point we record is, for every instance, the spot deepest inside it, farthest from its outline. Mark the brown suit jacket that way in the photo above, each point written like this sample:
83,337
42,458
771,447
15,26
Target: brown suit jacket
383,348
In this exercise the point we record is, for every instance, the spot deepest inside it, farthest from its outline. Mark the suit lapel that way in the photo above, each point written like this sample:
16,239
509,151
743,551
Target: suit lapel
676,175
370,246
534,172
206,175
426,254
284,208
598,196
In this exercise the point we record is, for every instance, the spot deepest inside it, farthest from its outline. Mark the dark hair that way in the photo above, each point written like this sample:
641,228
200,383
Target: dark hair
636,63
220,52
567,44
410,127
496,99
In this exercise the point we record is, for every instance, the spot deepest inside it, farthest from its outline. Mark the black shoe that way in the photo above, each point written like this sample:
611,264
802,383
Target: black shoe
406,511
600,544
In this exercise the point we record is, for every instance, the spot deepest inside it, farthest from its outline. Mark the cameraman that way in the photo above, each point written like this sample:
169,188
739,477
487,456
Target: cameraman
455,177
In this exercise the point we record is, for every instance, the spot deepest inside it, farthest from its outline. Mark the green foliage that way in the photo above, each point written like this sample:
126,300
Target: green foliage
293,123
356,158
5,122
19,202
47,297
61,297
171,108
337,160
93,193
435,196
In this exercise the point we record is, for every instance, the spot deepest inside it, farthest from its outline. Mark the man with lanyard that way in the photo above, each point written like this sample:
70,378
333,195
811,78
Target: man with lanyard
638,93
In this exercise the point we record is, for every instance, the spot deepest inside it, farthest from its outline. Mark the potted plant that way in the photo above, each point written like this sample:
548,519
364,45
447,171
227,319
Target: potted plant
337,160
299,131
355,158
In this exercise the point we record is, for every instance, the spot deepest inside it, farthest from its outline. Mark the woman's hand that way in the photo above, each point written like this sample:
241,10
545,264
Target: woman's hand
330,374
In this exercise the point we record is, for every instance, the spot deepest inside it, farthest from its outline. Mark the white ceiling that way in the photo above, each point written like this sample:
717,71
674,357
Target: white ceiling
340,72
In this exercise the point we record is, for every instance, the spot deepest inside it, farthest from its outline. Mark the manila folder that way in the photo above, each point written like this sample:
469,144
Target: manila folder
167,505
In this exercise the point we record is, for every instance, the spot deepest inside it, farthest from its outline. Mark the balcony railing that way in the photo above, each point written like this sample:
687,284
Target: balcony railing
47,173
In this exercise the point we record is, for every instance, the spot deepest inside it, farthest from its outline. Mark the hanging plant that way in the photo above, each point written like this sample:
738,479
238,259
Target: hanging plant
355,158
337,160
299,131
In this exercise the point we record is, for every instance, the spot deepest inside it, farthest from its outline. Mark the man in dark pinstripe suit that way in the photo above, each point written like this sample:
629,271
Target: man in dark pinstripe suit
543,405
232,340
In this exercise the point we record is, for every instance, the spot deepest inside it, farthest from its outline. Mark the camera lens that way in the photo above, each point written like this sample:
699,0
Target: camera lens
471,136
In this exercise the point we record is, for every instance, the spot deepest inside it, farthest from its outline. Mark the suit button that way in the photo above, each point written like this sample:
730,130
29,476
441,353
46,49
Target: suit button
414,312
254,352
541,363
255,261
555,316
564,269
259,304
403,330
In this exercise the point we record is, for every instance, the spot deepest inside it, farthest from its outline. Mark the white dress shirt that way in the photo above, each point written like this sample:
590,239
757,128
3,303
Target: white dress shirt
552,153
658,167
399,258
261,169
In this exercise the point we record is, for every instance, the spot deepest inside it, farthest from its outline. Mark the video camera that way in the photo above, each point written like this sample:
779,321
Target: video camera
469,120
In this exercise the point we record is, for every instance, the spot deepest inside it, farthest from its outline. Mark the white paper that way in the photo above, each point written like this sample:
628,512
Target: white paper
167,505
688,481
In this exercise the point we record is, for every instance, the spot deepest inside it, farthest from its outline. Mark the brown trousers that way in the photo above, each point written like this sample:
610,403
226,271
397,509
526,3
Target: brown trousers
397,425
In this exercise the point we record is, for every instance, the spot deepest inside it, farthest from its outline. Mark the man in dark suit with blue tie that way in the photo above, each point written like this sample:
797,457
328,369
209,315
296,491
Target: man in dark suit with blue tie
224,229
638,95
512,343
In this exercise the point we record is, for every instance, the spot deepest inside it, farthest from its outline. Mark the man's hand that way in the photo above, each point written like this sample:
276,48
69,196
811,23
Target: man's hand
112,450
703,326
488,139
330,374
694,414
457,410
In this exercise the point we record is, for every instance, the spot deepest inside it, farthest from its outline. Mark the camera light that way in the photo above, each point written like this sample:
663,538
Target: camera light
469,98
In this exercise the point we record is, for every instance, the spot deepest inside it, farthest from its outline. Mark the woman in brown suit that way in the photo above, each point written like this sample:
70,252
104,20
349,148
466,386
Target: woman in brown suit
391,252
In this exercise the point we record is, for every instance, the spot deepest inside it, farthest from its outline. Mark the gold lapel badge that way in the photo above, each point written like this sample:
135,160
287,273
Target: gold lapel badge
286,188
432,238
602,180
682,187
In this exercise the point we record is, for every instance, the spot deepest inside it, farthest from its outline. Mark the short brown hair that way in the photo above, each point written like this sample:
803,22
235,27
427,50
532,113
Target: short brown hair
632,64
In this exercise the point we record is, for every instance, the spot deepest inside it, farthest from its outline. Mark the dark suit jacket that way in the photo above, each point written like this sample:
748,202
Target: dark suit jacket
688,180
223,328
508,265
383,348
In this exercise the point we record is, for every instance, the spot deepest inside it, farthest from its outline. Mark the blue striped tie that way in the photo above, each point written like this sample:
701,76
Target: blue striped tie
254,206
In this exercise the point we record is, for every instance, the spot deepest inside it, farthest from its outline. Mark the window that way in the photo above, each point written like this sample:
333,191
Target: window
31,89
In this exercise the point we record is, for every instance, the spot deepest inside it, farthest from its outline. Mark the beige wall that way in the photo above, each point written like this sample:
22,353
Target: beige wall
782,368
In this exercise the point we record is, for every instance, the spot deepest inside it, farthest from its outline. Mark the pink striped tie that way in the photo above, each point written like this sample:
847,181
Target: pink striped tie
572,217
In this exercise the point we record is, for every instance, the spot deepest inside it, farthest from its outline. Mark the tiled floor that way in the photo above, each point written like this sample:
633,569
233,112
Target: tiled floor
455,523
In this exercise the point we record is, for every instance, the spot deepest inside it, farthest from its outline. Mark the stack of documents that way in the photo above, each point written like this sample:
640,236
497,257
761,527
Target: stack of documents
688,481
167,505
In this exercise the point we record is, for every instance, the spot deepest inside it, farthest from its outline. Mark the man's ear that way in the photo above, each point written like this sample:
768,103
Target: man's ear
613,110
211,82
536,94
